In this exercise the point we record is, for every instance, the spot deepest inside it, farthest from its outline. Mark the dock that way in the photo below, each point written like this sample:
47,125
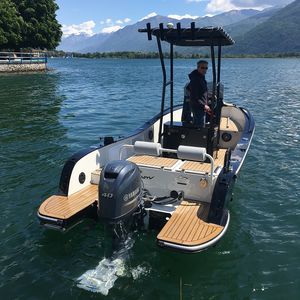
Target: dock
22,62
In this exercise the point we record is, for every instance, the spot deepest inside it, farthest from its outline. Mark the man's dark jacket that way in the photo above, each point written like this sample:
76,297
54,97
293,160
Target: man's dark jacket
198,90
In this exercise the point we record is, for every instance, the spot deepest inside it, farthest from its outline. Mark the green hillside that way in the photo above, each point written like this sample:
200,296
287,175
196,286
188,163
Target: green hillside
240,28
279,34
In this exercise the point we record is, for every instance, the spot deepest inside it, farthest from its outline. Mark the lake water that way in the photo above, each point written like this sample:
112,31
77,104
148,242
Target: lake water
45,118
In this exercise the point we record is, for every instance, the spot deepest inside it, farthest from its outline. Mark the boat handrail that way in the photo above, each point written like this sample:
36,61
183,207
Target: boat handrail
196,153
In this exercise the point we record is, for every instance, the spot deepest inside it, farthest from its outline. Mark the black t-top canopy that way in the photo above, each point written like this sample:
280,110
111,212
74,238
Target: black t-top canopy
193,36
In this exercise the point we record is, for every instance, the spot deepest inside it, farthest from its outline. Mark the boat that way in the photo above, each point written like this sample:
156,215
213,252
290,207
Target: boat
168,175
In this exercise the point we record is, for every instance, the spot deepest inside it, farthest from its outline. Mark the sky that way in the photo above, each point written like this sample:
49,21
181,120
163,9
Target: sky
95,16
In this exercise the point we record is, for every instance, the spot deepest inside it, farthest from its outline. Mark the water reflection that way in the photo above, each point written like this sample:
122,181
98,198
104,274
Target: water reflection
30,132
31,140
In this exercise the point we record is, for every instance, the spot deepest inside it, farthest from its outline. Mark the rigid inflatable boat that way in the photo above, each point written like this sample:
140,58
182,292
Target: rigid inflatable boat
169,175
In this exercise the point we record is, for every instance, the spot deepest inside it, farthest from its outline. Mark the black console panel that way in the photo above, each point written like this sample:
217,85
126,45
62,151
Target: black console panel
177,134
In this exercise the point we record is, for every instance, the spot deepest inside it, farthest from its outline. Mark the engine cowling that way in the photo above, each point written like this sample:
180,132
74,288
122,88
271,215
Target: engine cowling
119,191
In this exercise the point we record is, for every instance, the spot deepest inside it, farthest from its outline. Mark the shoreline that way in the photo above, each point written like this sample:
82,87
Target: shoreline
154,55
22,68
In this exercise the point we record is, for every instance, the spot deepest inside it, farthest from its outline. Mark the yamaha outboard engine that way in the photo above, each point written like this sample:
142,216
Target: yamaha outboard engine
119,191
119,206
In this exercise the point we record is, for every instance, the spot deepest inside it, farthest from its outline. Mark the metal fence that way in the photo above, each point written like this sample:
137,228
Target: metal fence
23,58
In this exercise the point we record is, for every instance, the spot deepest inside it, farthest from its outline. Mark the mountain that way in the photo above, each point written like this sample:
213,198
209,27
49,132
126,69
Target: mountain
278,34
77,42
275,30
245,25
227,18
72,42
129,39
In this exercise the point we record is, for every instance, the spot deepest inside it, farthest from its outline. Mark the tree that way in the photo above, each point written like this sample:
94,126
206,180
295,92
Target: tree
10,25
41,29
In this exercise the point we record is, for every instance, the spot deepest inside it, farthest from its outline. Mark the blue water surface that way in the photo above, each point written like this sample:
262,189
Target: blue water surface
46,117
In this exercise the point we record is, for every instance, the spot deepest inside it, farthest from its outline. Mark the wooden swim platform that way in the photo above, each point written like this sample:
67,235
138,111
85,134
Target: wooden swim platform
63,208
188,227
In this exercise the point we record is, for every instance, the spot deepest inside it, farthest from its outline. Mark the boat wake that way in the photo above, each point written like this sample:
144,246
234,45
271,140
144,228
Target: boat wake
139,271
103,277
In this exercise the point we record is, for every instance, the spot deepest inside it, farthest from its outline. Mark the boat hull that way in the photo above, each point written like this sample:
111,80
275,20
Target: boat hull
192,180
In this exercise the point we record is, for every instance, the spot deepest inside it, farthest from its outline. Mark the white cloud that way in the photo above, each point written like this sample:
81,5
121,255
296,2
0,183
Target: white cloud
85,27
260,3
220,6
89,26
215,6
111,29
113,25
153,14
186,16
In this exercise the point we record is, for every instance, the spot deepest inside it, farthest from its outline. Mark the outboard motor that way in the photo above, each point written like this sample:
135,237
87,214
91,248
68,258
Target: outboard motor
120,194
120,191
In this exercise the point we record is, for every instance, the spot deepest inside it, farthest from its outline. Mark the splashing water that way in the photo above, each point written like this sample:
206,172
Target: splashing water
139,271
102,278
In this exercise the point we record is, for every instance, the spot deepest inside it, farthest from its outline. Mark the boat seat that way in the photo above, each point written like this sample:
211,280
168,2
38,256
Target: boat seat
187,228
148,154
191,159
59,210
149,148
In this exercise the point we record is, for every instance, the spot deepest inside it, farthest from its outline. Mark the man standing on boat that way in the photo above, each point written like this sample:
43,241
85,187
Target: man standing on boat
198,90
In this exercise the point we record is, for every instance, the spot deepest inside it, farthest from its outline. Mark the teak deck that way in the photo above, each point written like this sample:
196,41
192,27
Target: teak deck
205,167
163,162
228,125
187,226
147,160
61,207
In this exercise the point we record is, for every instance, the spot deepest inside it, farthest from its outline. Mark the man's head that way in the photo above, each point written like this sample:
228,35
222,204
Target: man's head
202,66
